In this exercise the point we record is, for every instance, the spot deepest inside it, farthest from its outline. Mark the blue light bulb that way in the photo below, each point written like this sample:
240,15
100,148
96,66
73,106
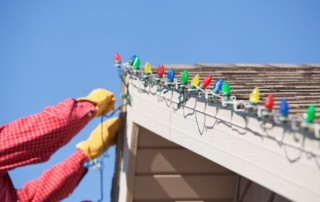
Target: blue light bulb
218,86
171,75
133,57
284,107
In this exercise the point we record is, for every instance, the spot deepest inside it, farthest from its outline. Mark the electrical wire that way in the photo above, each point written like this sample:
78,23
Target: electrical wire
296,124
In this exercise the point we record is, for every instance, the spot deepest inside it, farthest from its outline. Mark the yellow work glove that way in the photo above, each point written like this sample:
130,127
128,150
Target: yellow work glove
103,100
101,138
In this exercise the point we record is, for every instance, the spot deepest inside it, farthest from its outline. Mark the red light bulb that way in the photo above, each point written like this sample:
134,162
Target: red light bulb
269,103
160,71
206,82
117,58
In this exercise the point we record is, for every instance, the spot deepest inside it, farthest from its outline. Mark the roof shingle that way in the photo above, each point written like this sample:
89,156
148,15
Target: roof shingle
299,84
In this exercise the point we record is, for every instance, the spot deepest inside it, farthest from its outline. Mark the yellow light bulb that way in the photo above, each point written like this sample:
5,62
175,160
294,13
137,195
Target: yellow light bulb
195,81
255,96
147,68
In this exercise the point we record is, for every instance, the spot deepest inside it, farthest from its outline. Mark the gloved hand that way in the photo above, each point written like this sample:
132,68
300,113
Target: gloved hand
103,100
101,138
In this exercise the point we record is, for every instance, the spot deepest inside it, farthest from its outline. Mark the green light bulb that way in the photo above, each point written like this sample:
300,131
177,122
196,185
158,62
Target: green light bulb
136,63
184,77
310,115
226,88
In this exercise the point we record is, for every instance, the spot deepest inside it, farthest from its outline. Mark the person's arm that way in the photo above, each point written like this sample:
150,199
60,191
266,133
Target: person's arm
56,183
35,138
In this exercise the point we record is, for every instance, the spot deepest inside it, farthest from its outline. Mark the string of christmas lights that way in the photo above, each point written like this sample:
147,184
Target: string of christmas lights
220,94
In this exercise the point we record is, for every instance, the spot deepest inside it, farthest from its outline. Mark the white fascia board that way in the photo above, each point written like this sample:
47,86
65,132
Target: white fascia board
272,158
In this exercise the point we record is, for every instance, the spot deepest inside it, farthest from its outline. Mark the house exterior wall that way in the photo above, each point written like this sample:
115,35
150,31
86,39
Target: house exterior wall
165,171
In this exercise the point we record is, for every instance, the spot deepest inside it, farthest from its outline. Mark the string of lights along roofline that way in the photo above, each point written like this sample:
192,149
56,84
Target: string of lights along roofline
220,94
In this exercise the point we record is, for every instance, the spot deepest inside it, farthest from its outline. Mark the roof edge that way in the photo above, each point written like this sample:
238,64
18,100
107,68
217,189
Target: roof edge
237,65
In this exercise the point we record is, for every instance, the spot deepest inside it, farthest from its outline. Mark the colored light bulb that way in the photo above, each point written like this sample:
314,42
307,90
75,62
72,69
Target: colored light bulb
269,103
310,114
160,71
255,96
226,88
147,68
117,58
284,107
184,77
136,63
218,86
132,59
206,82
195,81
171,74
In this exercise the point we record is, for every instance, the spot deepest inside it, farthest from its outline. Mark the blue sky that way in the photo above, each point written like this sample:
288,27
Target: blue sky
53,50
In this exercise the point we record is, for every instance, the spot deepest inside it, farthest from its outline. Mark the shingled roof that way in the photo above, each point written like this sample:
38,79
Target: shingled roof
298,84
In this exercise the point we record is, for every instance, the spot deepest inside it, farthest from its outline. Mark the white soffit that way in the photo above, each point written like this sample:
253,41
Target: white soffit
271,157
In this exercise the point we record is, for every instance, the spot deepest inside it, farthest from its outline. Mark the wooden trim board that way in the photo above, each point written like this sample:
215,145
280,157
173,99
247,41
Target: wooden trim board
128,161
